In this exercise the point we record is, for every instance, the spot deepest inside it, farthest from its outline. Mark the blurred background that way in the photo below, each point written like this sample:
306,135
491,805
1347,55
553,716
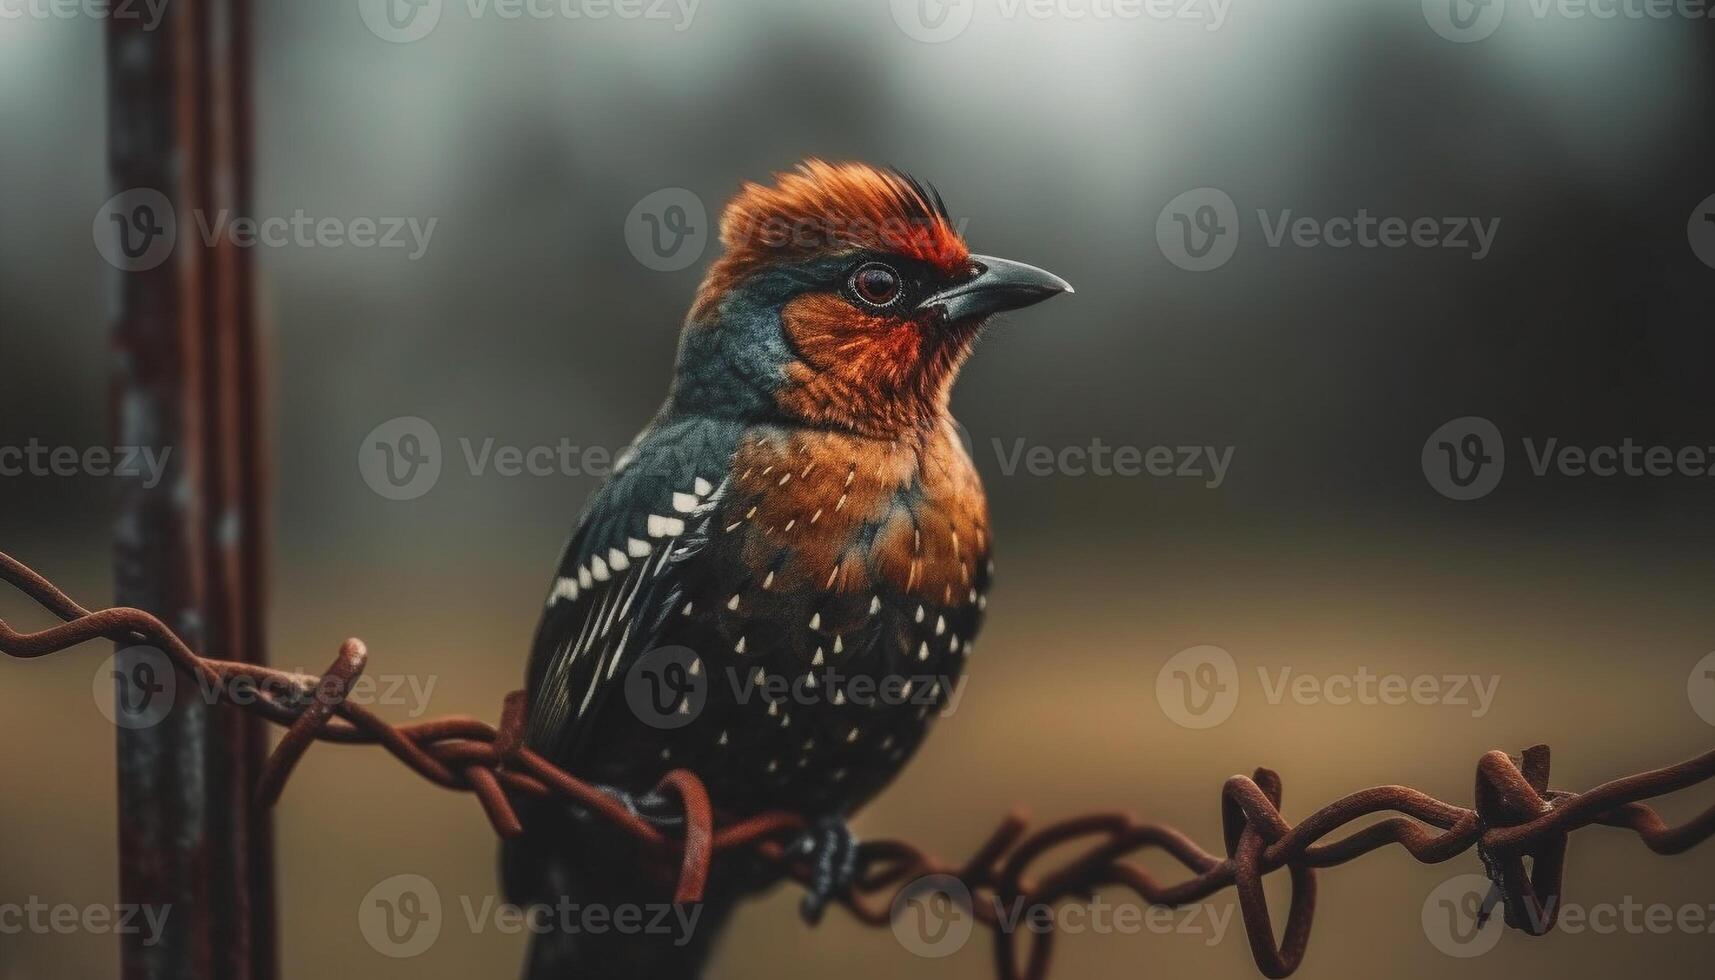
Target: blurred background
1111,148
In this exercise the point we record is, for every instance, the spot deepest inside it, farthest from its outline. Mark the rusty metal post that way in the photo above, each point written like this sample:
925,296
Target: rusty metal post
192,548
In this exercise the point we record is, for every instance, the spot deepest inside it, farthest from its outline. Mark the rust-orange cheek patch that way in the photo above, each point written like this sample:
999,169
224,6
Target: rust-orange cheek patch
874,375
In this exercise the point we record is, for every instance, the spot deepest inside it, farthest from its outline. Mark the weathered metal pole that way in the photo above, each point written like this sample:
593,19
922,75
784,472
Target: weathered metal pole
192,548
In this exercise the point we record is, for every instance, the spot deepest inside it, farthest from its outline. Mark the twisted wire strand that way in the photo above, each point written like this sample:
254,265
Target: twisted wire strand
1515,817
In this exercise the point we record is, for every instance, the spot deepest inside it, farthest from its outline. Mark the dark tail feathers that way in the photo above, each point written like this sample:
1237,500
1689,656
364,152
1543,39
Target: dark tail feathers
604,916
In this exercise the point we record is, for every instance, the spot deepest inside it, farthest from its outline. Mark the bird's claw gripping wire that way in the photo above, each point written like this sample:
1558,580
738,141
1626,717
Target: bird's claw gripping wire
832,853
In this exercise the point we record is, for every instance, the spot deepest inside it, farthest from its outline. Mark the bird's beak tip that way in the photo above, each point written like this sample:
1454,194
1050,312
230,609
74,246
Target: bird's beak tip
998,286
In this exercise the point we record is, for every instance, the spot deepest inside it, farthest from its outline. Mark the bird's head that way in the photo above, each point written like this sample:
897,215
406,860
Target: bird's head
845,298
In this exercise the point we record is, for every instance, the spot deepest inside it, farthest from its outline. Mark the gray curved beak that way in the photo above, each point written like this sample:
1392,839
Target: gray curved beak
998,286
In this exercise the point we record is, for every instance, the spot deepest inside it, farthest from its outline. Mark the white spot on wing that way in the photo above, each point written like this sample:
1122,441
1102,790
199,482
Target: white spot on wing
564,588
665,527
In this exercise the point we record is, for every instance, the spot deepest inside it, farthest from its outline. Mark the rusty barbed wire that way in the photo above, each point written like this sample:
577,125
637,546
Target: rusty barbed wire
1515,817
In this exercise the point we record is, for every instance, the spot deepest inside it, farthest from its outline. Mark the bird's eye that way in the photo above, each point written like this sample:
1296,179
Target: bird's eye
876,284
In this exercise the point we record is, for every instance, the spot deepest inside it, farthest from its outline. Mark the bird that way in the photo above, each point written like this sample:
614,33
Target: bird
779,585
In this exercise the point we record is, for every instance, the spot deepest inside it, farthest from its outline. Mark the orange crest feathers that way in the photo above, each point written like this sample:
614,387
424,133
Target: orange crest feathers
831,207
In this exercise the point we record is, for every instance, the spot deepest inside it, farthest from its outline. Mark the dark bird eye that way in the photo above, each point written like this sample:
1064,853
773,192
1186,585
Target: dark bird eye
876,284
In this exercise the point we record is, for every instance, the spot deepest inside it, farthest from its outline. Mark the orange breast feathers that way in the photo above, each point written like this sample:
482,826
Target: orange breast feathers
842,513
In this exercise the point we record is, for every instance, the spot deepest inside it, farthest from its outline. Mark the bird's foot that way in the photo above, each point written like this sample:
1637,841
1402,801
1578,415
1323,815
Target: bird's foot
832,853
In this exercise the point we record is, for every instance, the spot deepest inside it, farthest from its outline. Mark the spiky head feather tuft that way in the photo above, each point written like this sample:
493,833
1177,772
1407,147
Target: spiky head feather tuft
823,208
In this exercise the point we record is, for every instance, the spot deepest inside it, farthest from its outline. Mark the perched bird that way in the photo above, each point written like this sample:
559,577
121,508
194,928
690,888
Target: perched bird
799,530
